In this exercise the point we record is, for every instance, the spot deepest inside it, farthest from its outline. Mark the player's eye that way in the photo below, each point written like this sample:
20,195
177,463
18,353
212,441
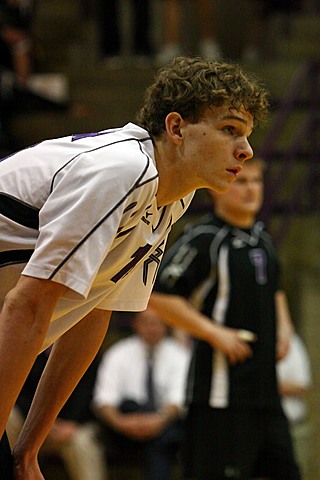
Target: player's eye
229,129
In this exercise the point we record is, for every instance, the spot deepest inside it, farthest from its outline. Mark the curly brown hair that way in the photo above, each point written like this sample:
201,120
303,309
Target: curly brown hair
189,85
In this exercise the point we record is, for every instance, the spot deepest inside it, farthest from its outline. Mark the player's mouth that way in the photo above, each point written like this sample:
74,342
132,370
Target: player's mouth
235,171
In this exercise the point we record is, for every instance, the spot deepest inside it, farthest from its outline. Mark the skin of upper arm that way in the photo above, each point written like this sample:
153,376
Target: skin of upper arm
283,312
284,324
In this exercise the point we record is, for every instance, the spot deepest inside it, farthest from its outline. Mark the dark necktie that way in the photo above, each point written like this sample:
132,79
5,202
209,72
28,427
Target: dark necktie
151,404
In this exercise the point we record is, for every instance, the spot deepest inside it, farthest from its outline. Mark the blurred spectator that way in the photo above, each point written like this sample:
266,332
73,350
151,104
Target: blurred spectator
139,395
15,59
16,37
20,89
259,42
73,436
295,380
172,20
39,94
111,35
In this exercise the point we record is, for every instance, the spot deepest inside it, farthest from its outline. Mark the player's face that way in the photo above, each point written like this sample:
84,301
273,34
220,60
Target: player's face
216,147
245,196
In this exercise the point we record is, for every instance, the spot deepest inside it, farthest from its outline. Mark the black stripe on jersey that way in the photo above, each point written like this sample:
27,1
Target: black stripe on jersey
130,207
160,220
94,150
19,211
12,257
122,233
136,185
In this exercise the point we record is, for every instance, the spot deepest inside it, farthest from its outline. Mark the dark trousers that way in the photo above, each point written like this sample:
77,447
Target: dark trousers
6,463
156,456
235,444
160,453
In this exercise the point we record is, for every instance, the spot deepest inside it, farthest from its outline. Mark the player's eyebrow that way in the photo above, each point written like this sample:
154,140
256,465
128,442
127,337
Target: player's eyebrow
235,117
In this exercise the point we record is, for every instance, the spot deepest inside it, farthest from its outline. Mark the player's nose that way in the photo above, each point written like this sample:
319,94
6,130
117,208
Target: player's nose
244,151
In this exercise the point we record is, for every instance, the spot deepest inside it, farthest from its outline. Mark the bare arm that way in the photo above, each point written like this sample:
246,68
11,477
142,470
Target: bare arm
24,321
290,389
284,324
139,425
69,359
178,312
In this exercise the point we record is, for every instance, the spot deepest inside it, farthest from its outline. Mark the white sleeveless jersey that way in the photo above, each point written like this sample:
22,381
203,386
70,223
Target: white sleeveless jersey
81,210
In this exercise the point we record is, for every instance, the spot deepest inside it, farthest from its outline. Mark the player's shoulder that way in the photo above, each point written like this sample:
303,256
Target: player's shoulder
126,133
125,153
203,230
93,142
266,238
129,147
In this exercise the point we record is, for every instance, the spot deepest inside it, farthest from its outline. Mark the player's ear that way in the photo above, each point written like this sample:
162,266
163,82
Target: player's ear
173,123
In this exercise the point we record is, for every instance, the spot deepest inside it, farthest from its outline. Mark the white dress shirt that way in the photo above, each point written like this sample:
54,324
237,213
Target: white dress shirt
295,368
122,373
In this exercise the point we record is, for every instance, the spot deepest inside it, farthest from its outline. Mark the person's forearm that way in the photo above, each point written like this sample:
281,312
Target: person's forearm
290,389
285,327
284,322
69,359
111,416
178,312
23,325
138,425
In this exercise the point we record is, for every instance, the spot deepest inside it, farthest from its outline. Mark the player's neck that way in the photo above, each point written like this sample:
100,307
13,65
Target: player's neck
174,182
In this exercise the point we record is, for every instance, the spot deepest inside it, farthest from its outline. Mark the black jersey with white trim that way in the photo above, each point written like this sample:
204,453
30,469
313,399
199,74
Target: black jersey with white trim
81,210
231,275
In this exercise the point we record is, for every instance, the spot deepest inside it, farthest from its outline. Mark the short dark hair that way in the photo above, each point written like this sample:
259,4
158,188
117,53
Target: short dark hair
188,85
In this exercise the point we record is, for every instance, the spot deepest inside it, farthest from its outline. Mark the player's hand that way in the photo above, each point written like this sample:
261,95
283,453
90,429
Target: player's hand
234,343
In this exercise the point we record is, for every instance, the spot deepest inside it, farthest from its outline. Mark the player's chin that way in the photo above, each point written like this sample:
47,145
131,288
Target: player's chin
220,183
221,187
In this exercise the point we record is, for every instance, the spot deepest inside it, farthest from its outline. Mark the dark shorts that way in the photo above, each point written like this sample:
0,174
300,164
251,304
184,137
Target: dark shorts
223,444
6,464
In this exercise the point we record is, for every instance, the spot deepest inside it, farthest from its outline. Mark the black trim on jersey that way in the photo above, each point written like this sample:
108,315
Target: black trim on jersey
94,150
130,207
160,220
12,257
125,232
136,185
19,211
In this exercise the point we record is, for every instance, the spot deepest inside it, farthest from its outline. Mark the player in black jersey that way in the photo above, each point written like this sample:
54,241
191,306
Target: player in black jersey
226,269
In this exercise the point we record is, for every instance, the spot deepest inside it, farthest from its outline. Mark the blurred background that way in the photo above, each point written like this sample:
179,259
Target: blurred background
72,86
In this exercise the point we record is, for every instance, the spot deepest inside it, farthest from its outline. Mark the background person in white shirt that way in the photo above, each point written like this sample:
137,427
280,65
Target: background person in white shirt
121,398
